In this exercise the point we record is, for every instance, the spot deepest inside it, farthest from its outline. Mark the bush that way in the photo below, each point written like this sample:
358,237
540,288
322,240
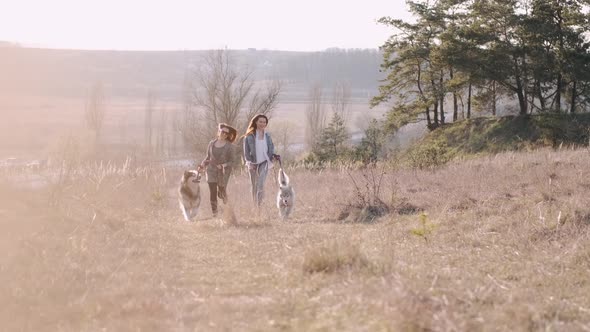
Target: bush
429,156
367,205
369,149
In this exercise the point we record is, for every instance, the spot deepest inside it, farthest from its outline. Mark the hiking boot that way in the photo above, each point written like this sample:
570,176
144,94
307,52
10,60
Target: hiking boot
214,208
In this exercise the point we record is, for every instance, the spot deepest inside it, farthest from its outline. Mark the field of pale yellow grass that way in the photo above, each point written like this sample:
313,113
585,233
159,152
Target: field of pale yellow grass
491,244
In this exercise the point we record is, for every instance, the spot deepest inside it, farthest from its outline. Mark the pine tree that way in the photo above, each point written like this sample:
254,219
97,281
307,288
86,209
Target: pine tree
332,141
370,147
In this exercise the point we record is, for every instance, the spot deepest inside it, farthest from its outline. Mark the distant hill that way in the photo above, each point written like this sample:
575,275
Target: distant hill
69,73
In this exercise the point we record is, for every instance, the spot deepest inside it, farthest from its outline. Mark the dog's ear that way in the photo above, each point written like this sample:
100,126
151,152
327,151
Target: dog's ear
185,176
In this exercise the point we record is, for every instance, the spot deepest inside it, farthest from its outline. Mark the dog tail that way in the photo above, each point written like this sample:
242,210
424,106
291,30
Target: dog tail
283,178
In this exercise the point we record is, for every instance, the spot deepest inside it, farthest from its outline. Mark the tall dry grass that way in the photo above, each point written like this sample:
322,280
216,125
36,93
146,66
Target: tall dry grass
490,244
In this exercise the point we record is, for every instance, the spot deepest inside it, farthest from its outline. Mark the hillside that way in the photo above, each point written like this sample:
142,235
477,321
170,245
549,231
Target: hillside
490,135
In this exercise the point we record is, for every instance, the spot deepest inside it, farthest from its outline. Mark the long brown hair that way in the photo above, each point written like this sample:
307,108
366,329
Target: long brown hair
252,125
233,133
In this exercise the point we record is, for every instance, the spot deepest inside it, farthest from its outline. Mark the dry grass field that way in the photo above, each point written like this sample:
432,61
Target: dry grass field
491,244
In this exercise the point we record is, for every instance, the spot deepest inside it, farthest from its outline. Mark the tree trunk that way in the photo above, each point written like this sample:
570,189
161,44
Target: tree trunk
522,102
520,90
540,95
442,110
469,101
442,99
559,16
558,93
494,98
455,106
574,96
435,115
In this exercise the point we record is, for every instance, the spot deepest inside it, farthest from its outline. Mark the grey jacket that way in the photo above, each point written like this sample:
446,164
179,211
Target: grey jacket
226,157
250,148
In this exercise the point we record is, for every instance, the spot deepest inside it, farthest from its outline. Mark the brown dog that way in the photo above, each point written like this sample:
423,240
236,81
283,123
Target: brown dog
189,194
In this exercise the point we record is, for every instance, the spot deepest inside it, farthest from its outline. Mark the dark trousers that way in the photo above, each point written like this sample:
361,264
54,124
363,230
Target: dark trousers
213,196
214,192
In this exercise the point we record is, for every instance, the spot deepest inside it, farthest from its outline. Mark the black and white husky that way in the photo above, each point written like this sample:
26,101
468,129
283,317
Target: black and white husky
189,194
285,196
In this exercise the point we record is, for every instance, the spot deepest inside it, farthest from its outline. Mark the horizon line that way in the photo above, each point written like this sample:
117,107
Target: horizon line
13,44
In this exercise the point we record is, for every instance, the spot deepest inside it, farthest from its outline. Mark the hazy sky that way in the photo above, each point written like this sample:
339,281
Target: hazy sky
299,25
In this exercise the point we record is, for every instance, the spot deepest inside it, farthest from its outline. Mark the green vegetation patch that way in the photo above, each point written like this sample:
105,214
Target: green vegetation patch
493,135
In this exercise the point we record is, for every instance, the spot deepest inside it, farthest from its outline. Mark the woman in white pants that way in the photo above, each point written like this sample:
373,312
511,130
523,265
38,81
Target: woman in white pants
259,153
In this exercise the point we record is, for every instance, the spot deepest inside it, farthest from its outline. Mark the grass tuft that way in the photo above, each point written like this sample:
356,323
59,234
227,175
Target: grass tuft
333,257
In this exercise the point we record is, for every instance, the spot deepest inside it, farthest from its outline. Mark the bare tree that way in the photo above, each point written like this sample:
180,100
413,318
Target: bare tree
341,96
95,110
148,117
283,134
222,89
315,116
222,92
188,125
174,131
162,134
263,102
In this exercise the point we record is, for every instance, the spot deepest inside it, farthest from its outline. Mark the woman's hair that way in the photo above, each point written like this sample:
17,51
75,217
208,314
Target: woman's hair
233,133
252,125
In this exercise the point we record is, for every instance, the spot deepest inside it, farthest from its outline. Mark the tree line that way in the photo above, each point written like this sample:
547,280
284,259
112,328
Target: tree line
470,54
358,67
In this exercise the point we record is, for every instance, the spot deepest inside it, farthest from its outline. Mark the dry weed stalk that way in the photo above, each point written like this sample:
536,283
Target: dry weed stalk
367,204
68,157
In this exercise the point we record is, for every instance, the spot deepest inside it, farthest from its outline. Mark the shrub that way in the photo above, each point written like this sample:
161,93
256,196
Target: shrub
425,229
369,149
331,145
367,205
430,156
